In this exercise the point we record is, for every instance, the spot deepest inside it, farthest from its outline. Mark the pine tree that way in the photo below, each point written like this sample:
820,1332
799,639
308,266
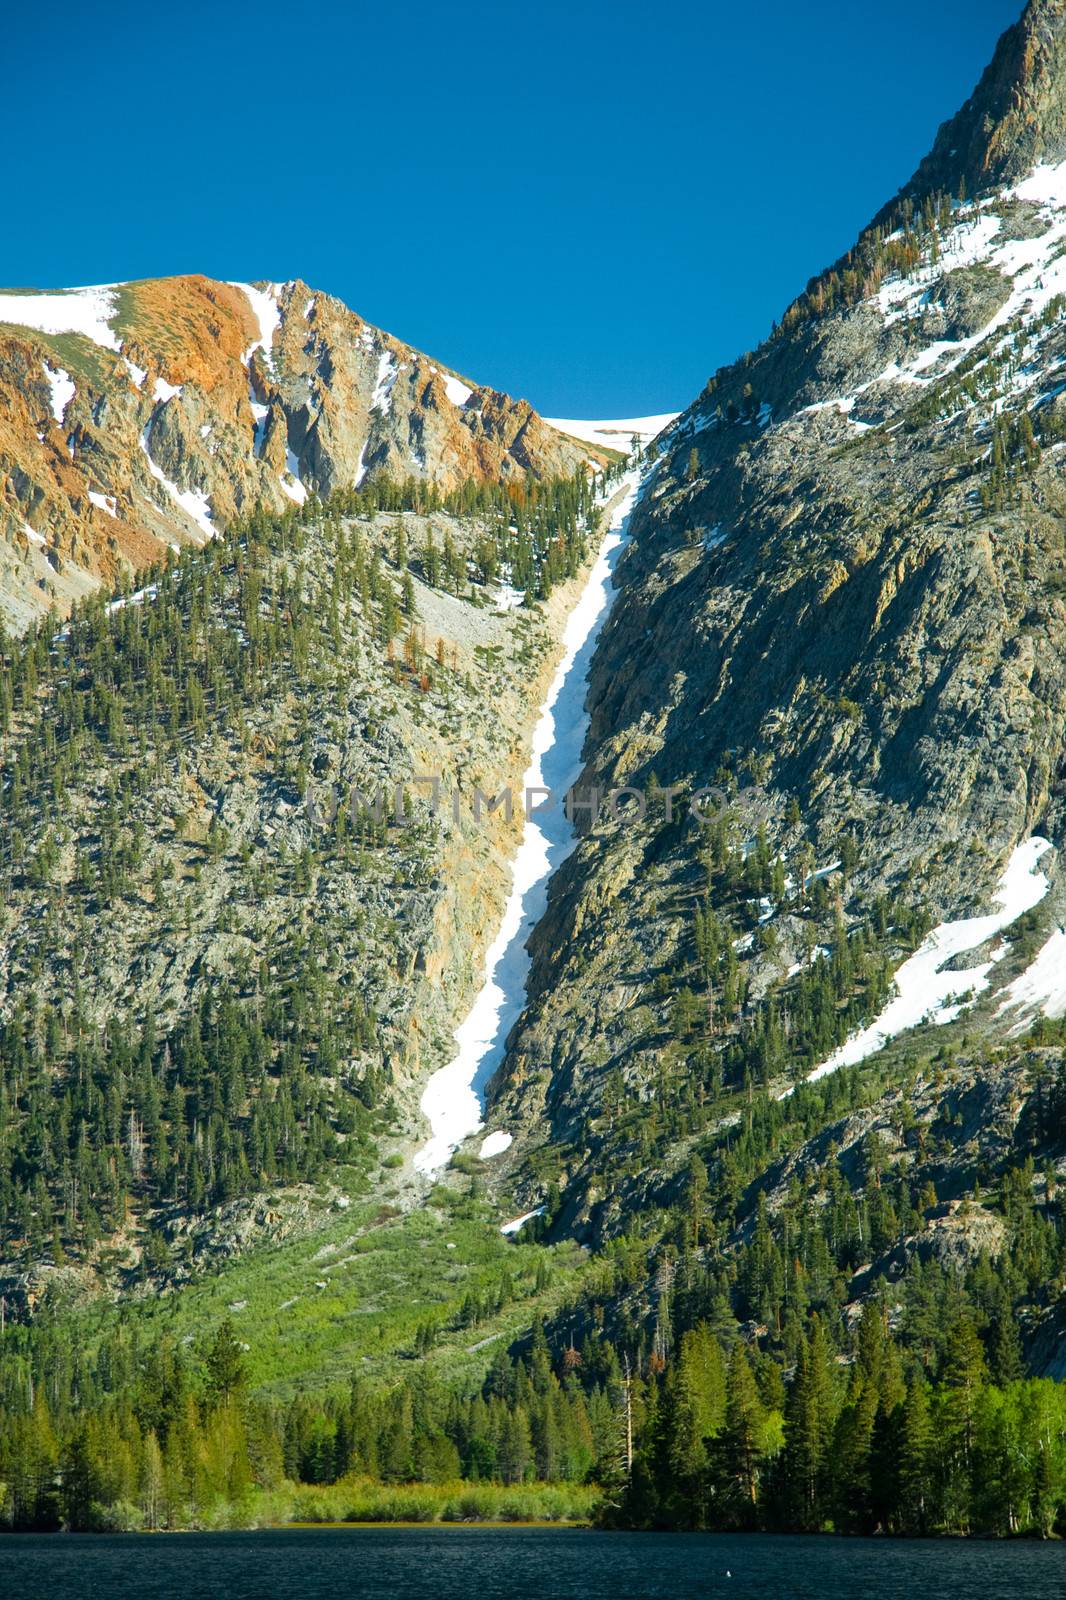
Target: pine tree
808,1429
915,1460
224,1365
742,1435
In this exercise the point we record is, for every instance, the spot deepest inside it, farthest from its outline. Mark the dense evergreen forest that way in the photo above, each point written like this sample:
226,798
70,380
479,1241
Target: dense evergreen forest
691,1382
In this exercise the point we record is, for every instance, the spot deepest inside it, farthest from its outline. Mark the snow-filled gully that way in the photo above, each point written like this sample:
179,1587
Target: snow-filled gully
453,1098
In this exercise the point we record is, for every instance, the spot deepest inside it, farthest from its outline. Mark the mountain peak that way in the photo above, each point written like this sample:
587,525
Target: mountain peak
1015,118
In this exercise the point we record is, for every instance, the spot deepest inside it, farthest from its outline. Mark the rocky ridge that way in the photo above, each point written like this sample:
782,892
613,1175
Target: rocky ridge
142,415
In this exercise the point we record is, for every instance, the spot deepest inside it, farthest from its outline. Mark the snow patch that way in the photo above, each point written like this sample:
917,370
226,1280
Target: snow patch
88,311
925,992
104,502
452,1099
290,481
458,393
1042,986
819,952
194,502
62,387
519,1222
965,245
1045,185
138,374
616,435
388,372
1036,278
1035,269
138,598
163,391
495,1145
267,313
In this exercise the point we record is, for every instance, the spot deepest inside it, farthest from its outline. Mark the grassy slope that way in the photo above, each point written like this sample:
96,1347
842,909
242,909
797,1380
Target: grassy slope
385,1277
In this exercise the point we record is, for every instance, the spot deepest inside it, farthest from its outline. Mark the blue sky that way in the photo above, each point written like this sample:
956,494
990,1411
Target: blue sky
592,203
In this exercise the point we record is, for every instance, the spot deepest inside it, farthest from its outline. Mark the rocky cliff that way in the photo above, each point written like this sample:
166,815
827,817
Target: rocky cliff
1015,118
142,415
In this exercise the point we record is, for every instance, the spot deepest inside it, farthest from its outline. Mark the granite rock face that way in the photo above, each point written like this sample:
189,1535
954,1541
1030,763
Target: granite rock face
1015,118
844,601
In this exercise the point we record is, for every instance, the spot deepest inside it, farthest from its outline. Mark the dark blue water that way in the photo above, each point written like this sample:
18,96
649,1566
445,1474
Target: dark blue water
512,1564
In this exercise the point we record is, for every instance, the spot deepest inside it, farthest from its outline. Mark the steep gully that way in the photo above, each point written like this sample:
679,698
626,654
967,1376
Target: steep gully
453,1098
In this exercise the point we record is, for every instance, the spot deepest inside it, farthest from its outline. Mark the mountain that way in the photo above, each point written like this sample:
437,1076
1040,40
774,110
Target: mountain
843,603
142,415
765,1224
248,935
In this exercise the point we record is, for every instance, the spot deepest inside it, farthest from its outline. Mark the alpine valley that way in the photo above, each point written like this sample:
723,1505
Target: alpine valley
660,1163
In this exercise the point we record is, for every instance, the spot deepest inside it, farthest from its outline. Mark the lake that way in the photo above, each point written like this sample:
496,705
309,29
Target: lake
456,1563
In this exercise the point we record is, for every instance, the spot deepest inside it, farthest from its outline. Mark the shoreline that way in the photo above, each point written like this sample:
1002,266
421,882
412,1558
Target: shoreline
753,1535
478,1524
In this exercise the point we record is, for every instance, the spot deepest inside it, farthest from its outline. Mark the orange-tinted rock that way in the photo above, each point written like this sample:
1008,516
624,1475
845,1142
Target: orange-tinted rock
334,399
